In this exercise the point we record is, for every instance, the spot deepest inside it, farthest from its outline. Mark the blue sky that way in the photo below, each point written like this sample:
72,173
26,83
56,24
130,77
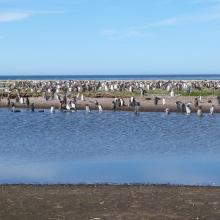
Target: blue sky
109,36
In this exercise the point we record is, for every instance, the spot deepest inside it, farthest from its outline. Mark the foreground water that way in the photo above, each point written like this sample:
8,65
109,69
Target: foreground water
109,147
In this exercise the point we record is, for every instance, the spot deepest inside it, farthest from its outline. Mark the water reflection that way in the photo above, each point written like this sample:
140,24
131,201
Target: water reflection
112,147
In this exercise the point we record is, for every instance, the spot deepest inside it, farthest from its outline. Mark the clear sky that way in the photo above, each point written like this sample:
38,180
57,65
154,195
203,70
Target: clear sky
109,36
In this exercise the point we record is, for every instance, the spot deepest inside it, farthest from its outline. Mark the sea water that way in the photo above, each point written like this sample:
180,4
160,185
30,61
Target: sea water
109,147
114,77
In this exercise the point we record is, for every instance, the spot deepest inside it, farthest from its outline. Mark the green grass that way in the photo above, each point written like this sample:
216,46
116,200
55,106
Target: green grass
204,92
127,94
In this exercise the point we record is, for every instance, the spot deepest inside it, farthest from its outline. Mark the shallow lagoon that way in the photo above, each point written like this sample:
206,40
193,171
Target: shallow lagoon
109,147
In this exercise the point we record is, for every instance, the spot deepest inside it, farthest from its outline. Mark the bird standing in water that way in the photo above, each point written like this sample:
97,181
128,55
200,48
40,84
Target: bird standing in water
212,109
199,111
32,107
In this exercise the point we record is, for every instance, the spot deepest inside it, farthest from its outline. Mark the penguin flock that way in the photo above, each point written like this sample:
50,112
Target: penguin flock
70,106
53,88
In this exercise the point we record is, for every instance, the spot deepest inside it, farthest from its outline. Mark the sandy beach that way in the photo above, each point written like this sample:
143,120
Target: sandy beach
146,105
107,202
46,93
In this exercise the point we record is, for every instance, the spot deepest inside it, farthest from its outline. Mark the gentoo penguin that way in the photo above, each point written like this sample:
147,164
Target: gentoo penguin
199,111
164,101
52,109
212,109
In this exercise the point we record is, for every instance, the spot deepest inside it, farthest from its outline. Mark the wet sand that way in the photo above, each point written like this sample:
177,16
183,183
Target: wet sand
109,202
145,104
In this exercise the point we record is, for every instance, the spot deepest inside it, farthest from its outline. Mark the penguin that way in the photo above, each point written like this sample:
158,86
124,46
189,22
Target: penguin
167,111
32,107
73,106
136,110
199,111
100,108
172,94
82,98
188,109
212,109
88,109
68,107
52,109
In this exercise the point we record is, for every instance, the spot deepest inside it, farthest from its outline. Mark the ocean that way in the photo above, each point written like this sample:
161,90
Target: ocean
114,77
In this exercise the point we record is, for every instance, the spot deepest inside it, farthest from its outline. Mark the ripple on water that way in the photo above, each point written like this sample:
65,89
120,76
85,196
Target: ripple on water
107,136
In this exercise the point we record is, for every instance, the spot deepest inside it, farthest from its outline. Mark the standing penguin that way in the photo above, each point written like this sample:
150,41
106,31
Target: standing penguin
88,109
100,108
199,111
212,109
52,109
172,94
196,102
188,109
27,101
32,107
167,111
82,98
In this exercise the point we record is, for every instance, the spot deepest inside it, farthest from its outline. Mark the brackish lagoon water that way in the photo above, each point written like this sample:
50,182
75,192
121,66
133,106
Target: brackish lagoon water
109,147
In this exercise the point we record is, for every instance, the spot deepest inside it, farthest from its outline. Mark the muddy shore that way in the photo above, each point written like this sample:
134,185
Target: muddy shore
146,104
108,202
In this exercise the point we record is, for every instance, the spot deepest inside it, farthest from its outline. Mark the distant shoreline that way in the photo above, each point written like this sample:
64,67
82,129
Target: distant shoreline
113,77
